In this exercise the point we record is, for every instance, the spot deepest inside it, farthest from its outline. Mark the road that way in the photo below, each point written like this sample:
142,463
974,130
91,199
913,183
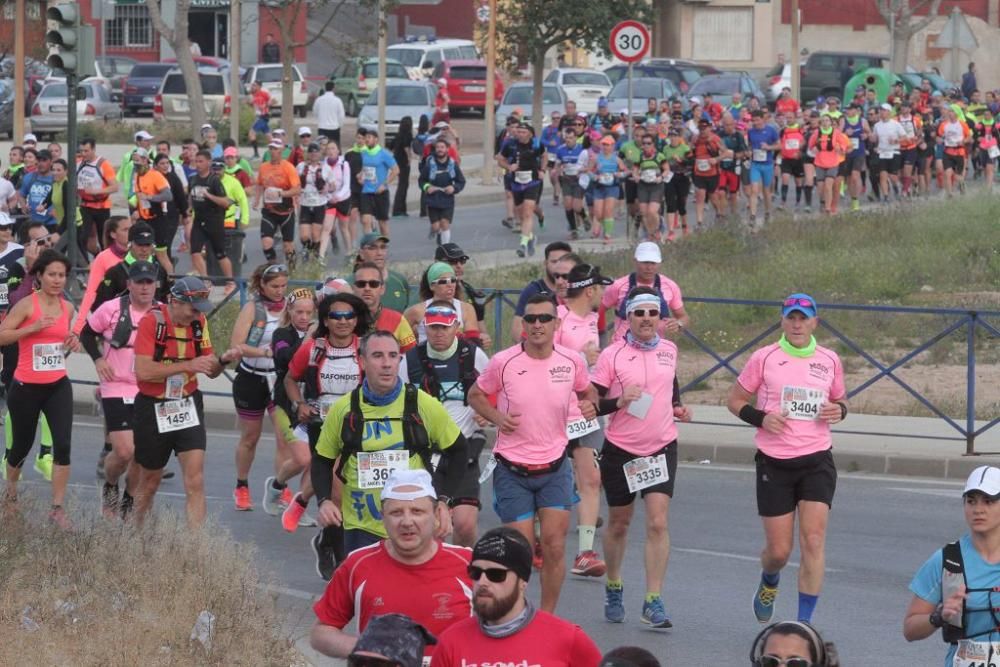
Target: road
881,530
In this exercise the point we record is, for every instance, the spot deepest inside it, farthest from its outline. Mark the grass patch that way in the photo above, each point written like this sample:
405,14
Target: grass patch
110,594
175,133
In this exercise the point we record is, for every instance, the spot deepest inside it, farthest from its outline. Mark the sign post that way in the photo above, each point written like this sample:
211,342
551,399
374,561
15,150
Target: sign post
630,44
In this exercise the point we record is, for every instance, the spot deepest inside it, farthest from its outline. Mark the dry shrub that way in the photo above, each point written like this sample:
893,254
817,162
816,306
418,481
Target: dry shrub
114,595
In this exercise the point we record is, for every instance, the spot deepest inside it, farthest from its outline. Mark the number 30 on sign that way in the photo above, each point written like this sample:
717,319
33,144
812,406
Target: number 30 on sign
630,41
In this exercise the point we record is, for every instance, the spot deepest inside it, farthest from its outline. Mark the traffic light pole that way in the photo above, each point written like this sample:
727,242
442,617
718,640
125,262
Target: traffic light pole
70,200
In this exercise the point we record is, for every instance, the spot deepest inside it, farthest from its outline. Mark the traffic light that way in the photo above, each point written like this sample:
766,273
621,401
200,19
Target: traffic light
71,44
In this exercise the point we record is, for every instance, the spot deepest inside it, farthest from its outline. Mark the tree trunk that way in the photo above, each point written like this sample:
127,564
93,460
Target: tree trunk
286,23
900,50
537,70
177,37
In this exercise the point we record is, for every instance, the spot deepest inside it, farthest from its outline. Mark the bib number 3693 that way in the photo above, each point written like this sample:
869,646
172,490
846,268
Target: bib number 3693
971,653
645,472
374,468
802,403
176,415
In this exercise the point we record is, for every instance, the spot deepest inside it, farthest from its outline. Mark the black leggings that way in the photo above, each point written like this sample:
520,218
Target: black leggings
677,191
24,403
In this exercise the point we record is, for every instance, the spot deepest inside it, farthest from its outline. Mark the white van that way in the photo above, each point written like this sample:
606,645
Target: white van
421,55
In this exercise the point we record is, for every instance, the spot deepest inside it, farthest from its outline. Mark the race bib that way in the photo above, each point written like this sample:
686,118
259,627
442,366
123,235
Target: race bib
648,175
174,387
993,152
176,415
4,296
571,169
368,174
645,472
886,155
703,165
581,427
972,653
606,179
325,403
792,144
374,468
759,155
198,192
522,177
801,403
48,357
855,143
272,195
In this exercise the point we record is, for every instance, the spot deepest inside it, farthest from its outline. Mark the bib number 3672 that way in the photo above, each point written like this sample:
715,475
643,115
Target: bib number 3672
645,472
374,468
47,357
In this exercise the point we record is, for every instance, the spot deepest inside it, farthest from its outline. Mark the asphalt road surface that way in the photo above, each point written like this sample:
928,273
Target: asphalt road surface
881,530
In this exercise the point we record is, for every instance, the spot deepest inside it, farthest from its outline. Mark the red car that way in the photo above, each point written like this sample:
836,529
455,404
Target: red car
467,84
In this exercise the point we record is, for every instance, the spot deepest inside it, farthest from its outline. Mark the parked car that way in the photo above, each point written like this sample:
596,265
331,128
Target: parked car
142,85
583,86
681,72
7,101
403,98
722,86
269,77
356,78
775,80
823,71
114,70
421,56
172,104
467,84
520,95
643,88
49,113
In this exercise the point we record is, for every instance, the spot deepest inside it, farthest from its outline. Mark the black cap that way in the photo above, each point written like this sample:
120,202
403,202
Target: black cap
505,546
450,252
44,154
396,637
585,275
141,234
142,270
313,148
218,164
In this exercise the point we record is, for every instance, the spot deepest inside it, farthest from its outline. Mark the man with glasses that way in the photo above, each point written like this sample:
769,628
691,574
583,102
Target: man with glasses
35,189
536,381
554,252
507,629
374,248
799,389
410,572
370,288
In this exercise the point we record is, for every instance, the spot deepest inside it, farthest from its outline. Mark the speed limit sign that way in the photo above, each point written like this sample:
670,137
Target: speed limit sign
630,41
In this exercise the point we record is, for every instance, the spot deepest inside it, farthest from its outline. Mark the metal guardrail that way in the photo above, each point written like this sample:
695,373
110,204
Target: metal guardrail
973,321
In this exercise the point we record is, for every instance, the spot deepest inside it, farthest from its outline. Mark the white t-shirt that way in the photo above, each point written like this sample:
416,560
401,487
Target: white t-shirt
329,111
312,195
889,133
6,192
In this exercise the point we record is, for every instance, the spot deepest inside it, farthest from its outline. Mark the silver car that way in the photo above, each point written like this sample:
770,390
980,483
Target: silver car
643,89
403,98
93,103
520,96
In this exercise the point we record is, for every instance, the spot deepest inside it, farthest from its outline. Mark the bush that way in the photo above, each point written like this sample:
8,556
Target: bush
175,133
112,594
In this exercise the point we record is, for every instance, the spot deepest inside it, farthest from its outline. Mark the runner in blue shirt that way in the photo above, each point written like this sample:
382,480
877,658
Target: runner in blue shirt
378,170
568,170
35,189
763,140
551,139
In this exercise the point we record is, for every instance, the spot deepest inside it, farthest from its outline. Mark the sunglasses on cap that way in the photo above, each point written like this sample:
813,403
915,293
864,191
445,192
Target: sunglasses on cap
495,574
445,281
775,661
361,284
370,661
275,268
440,311
646,312
798,301
191,294
544,318
341,315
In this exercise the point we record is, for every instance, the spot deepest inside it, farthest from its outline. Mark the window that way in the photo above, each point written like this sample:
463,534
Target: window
585,79
403,96
408,57
392,71
211,84
130,27
723,33
468,73
522,95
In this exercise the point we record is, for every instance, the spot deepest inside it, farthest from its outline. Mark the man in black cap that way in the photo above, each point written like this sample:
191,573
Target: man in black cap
452,253
141,249
506,628
391,639
375,249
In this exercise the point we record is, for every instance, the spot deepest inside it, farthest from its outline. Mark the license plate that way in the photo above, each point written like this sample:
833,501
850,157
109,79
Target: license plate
181,105
475,89
58,108
147,100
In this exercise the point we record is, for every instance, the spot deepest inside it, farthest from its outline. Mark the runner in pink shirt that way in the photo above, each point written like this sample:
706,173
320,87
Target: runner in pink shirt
648,260
535,382
578,331
799,389
112,327
636,379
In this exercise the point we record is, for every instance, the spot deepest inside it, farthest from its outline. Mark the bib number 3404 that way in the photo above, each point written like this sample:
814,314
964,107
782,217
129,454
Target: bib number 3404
802,403
645,472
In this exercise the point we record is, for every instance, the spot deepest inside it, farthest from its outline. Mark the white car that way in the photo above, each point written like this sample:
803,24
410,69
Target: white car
421,55
269,77
583,86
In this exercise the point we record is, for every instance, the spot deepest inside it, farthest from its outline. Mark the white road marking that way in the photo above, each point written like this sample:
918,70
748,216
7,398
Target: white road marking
945,493
724,554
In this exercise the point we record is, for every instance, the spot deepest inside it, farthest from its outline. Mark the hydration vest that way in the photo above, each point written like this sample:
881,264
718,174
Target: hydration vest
632,280
953,565
425,376
316,358
259,324
162,335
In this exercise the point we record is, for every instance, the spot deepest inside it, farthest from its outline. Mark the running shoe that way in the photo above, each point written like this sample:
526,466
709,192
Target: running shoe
614,604
293,514
541,218
307,521
326,562
589,564
855,205
100,464
109,501
241,498
271,501
286,498
531,246
43,466
57,516
522,250
763,602
508,223
536,558
654,615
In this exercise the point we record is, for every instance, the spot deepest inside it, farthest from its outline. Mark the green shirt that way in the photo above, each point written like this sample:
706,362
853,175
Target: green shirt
629,152
397,292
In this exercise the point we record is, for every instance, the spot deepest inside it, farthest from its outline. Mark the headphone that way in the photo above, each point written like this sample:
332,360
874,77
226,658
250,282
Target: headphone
816,645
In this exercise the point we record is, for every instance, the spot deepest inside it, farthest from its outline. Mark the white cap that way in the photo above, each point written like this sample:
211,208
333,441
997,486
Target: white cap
29,137
985,480
276,143
304,131
407,484
696,99
277,132
887,107
206,126
647,251
5,220
143,135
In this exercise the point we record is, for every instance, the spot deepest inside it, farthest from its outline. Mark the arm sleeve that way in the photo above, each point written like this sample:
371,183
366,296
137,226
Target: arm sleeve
344,191
321,474
90,341
94,279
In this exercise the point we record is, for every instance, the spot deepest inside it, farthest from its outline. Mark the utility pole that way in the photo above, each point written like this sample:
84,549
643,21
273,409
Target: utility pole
795,57
20,95
382,55
235,44
488,172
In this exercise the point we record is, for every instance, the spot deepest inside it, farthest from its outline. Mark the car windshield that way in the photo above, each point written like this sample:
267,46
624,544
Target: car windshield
149,71
408,57
58,90
273,75
640,88
523,95
403,96
392,71
469,72
715,86
585,79
210,85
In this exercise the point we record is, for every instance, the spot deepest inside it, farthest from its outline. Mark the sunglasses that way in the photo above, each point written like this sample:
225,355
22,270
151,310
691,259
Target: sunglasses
445,281
644,312
275,268
799,302
495,574
560,276
775,661
544,318
440,311
369,661
342,315
199,294
361,284
461,260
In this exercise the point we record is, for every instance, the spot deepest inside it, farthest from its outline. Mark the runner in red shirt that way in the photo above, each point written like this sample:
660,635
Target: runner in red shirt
260,99
409,573
708,152
786,104
507,629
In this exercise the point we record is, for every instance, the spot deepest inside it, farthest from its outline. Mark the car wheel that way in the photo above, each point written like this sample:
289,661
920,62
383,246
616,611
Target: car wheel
352,107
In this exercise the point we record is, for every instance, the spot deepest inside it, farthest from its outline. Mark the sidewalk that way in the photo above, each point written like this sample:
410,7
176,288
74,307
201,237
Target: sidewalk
876,444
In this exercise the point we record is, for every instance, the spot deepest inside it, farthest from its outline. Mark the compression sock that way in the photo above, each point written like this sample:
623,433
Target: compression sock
44,450
253,145
807,605
770,579
809,195
609,226
798,194
615,584
241,483
652,596
446,236
275,484
784,192
125,504
571,219
270,255
586,537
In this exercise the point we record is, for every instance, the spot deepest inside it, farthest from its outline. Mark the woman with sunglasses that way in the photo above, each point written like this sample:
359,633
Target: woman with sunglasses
439,283
792,644
650,171
252,387
299,316
327,366
607,170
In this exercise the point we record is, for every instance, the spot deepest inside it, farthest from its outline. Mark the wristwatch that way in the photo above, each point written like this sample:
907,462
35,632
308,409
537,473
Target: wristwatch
935,618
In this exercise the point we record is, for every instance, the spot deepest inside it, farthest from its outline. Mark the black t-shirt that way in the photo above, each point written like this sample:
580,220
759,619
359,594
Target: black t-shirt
354,160
11,274
527,156
206,211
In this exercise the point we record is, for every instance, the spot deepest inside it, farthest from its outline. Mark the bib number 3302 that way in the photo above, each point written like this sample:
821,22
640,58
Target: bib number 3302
971,653
176,415
802,403
374,468
645,472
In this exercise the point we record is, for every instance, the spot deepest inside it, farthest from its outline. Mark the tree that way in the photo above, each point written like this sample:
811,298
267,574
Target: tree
532,27
177,38
901,19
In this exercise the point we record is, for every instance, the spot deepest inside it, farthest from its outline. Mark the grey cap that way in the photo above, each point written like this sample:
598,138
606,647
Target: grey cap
193,290
396,637
142,270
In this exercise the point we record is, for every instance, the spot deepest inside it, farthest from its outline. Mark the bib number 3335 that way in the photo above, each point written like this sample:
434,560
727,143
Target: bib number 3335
645,472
